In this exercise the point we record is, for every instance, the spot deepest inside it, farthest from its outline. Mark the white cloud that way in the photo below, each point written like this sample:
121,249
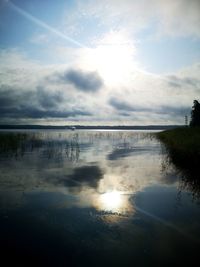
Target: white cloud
179,17
172,17
143,98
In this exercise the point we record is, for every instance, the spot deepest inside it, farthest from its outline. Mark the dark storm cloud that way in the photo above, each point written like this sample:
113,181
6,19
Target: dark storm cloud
36,113
49,100
6,97
34,104
10,98
18,98
83,81
178,82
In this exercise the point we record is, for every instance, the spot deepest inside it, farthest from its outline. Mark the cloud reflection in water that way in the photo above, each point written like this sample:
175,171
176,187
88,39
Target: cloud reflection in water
114,197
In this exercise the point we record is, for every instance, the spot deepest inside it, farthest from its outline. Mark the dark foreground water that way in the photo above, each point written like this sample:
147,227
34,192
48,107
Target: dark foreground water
94,198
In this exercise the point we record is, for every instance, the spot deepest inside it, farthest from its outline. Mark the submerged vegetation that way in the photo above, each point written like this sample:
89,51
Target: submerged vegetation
18,144
11,142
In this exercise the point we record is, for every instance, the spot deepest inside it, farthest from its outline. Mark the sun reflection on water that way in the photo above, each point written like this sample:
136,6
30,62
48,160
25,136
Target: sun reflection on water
113,201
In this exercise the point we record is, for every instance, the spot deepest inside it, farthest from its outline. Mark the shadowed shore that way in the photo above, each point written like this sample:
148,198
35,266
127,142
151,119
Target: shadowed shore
183,145
183,148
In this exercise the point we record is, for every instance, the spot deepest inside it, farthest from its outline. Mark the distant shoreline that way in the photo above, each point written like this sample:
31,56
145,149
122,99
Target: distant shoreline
87,127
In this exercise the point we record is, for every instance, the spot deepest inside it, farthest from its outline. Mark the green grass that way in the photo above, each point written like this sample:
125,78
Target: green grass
183,145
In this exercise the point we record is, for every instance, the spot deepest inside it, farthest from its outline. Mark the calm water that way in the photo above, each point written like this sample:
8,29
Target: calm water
94,198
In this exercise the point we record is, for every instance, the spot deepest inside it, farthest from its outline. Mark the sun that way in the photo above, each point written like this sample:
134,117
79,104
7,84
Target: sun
112,62
112,57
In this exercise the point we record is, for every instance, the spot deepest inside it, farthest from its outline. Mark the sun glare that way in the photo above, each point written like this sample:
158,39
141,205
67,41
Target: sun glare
111,201
112,57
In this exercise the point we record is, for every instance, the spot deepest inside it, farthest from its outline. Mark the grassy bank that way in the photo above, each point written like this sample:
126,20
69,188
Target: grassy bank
183,145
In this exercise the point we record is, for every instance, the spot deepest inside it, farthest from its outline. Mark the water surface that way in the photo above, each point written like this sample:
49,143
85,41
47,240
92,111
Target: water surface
94,198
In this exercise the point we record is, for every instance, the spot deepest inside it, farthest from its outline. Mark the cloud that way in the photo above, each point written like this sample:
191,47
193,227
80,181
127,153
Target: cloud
176,81
161,109
83,81
176,111
37,113
35,104
179,18
172,17
122,105
6,97
49,99
10,98
35,94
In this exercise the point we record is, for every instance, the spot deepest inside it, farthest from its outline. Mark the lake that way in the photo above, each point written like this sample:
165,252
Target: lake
95,198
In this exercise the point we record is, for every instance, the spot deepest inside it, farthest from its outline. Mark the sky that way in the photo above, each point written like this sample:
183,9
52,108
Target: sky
99,62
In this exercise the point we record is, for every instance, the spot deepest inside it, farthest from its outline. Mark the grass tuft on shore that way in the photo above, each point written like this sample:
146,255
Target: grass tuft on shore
183,145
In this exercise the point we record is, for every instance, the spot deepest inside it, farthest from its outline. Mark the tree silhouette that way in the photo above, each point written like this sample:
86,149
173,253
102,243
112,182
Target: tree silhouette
195,114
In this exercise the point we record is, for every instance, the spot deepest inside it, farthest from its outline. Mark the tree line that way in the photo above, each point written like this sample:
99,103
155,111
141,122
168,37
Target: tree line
195,114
